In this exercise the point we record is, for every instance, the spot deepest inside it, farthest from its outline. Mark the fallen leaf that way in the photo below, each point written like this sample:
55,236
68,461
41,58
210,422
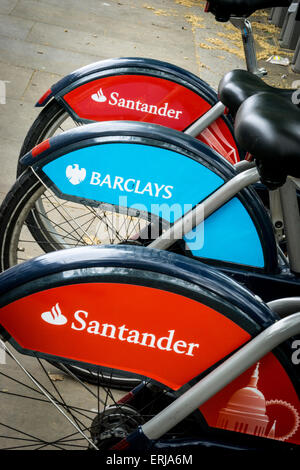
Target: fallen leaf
56,377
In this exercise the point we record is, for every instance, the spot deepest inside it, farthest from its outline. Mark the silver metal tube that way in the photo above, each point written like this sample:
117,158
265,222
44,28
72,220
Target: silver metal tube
297,182
206,120
285,306
184,225
222,376
249,45
291,217
276,214
243,165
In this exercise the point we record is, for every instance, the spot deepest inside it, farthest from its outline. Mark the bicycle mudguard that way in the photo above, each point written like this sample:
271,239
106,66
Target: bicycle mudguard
145,90
154,314
161,172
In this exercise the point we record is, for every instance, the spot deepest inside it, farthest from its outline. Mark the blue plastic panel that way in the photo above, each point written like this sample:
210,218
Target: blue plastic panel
164,183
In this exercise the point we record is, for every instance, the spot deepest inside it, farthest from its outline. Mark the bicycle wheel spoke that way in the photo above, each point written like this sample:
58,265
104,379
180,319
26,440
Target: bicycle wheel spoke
75,377
51,223
77,226
81,411
32,438
62,402
48,395
80,406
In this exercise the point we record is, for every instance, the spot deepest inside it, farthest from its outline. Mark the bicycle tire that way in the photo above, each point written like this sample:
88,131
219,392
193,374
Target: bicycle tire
165,280
154,74
19,207
14,217
40,128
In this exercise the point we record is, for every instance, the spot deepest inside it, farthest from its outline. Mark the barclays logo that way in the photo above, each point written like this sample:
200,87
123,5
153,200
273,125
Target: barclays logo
74,174
77,175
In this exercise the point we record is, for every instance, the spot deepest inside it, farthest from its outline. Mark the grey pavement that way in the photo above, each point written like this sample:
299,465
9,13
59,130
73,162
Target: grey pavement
43,40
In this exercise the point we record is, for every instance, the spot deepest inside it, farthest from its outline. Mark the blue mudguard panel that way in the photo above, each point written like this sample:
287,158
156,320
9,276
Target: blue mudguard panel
137,176
164,183
154,168
228,235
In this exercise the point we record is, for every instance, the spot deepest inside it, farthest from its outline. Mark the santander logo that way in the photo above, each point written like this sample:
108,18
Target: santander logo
136,105
80,322
54,316
99,96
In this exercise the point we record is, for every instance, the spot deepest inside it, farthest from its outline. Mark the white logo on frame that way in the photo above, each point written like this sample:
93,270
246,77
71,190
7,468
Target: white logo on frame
74,174
54,316
114,99
99,96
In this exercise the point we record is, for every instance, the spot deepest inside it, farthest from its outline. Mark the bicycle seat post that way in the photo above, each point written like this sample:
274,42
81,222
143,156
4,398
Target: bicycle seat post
291,216
245,27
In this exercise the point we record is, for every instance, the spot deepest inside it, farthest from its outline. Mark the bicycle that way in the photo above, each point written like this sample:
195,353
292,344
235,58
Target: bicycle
252,259
51,236
149,90
54,226
213,373
170,95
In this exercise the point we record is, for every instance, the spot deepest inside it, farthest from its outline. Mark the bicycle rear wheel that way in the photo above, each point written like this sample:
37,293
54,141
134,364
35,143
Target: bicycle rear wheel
154,82
76,415
86,214
162,93
70,225
192,318
57,410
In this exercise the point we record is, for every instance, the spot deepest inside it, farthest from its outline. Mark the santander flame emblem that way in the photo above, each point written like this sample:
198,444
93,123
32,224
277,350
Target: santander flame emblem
54,316
99,96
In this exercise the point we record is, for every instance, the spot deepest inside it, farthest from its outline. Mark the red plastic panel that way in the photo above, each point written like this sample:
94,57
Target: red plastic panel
148,331
149,99
40,148
261,402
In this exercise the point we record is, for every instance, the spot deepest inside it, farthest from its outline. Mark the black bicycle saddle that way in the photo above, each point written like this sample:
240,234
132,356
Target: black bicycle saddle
224,9
238,85
268,126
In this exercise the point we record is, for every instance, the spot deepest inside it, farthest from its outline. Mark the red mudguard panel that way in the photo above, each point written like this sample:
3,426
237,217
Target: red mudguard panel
261,402
162,335
139,329
149,99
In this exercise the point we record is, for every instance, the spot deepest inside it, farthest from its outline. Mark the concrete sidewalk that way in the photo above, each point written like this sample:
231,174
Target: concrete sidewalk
42,40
